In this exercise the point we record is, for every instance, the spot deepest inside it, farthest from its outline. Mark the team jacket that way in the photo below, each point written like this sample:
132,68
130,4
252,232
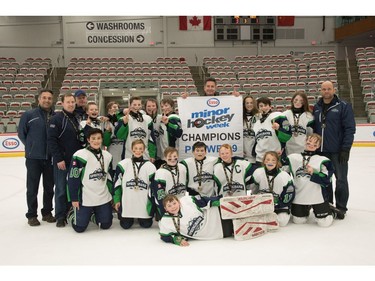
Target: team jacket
296,144
196,219
170,133
88,183
310,189
206,166
267,139
283,188
63,137
135,196
339,130
135,130
241,170
164,184
32,131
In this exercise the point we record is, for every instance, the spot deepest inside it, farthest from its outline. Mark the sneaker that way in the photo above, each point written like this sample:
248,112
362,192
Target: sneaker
60,223
49,218
33,221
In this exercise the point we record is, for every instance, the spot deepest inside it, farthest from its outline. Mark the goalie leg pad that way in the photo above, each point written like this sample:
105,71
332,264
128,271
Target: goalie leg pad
246,206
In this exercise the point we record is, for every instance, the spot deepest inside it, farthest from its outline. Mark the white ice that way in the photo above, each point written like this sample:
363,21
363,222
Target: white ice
347,242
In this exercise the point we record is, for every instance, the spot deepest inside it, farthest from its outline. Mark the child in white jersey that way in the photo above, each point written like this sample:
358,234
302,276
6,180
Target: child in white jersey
190,217
132,188
271,179
200,170
300,120
170,178
90,184
312,174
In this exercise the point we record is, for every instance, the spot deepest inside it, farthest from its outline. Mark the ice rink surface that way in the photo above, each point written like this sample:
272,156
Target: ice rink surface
290,250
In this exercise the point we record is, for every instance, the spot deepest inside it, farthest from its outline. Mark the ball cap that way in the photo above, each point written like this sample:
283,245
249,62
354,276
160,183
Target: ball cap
79,93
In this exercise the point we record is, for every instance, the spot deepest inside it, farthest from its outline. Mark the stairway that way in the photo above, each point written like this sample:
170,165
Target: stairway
57,82
199,82
344,92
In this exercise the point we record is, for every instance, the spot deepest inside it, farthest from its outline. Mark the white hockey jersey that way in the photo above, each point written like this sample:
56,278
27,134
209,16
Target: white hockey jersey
88,182
239,173
169,134
249,137
281,187
134,195
202,182
135,130
267,138
309,188
195,222
300,129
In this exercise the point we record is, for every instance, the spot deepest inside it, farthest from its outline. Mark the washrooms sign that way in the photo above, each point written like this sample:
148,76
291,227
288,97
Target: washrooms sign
118,33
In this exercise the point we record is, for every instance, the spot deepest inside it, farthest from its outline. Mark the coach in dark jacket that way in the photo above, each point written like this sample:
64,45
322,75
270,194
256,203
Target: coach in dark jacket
334,121
63,142
32,131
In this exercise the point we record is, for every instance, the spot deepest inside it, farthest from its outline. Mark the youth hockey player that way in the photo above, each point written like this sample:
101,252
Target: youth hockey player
232,178
170,126
250,116
271,179
312,174
135,125
301,121
170,178
272,130
190,217
90,184
132,188
200,170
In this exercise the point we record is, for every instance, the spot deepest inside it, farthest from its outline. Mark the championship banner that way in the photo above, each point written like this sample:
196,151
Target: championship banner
212,120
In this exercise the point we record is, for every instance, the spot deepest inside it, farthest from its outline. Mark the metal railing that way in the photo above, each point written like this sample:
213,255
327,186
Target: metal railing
349,77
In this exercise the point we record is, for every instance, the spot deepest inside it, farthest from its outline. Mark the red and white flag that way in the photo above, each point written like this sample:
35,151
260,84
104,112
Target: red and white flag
195,22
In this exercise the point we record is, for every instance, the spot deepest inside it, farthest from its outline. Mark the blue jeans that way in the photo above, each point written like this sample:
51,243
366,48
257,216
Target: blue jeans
35,169
342,186
61,199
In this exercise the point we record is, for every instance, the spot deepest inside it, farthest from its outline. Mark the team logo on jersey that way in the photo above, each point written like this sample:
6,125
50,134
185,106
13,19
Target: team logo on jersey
156,133
138,133
161,131
98,174
285,125
194,225
203,178
178,189
299,130
300,173
235,187
248,133
132,184
263,134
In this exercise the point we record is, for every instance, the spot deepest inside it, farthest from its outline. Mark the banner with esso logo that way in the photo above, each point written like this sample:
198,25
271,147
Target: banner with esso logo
10,143
212,120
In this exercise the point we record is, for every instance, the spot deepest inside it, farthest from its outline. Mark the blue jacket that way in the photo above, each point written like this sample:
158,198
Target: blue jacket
63,137
339,130
32,131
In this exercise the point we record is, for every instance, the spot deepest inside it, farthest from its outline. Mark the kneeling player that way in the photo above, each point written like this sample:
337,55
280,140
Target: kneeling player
271,179
312,174
90,184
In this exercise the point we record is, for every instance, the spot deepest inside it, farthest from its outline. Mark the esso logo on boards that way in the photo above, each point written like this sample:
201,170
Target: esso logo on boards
11,143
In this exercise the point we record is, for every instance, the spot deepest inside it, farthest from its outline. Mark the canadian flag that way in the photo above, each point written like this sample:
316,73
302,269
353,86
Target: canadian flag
195,23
